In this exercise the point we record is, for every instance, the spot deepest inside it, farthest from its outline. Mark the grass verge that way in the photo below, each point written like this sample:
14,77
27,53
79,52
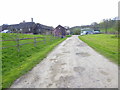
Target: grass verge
105,44
68,35
15,64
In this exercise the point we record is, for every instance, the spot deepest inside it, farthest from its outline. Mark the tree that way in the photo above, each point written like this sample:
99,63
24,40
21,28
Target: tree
95,25
75,31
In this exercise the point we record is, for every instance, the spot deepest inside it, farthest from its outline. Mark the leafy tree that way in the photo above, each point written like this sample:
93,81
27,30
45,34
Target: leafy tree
75,31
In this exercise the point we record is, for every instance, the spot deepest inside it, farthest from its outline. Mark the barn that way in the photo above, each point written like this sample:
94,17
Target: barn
60,31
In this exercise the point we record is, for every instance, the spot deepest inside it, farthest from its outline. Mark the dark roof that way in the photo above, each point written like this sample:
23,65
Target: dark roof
14,26
27,24
21,25
45,27
59,26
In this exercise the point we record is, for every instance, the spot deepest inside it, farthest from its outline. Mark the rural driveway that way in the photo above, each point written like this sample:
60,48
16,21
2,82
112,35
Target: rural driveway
72,64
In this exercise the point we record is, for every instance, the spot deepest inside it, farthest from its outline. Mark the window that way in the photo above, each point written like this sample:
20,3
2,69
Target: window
29,29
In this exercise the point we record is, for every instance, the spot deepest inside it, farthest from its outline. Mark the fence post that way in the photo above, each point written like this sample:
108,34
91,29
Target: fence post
51,38
18,45
34,41
44,40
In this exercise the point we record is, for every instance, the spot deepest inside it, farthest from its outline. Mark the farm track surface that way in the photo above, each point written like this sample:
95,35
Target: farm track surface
72,64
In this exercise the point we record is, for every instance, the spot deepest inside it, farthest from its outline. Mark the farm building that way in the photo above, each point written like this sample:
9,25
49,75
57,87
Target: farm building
0,28
68,32
60,31
43,29
28,28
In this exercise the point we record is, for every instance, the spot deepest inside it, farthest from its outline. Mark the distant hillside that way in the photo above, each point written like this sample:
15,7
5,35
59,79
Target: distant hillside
75,27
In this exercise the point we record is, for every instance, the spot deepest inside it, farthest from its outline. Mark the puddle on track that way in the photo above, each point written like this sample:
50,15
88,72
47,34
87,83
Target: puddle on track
83,54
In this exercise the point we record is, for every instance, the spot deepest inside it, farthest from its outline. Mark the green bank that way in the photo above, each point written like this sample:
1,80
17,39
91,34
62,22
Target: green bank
105,44
15,64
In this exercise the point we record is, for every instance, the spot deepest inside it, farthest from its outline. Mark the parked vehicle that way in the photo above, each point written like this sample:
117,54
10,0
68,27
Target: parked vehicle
96,31
86,32
6,31
89,31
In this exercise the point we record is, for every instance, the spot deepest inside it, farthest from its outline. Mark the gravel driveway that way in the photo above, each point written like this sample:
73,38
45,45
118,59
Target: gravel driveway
72,64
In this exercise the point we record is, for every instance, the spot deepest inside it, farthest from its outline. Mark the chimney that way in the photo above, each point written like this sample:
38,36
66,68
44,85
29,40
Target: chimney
31,19
23,21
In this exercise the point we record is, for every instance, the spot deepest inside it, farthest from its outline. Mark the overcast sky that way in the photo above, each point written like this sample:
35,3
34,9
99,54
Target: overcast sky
54,12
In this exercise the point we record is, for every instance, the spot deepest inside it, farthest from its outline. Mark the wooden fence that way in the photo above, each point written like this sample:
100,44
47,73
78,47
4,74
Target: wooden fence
17,40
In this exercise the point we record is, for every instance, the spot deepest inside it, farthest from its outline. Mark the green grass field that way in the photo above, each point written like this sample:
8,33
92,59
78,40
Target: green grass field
105,44
15,64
